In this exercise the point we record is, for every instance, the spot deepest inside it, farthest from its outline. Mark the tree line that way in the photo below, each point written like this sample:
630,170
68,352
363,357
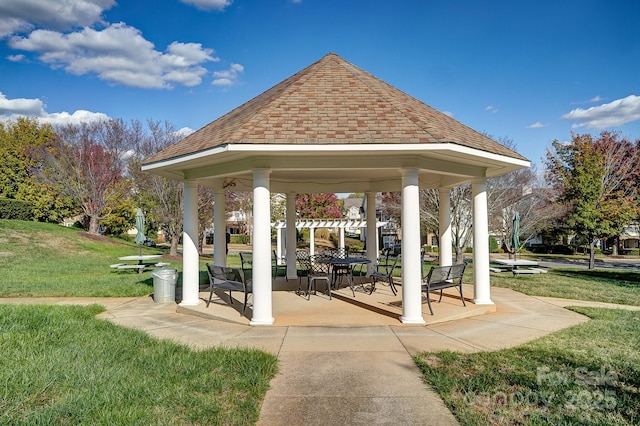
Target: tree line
588,191
93,170
589,187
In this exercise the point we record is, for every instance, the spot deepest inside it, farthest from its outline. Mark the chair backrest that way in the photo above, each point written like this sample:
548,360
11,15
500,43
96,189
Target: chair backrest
246,258
341,252
446,273
303,261
457,271
320,264
438,274
388,264
225,274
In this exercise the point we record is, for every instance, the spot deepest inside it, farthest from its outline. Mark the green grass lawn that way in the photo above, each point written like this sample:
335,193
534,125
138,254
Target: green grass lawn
61,365
601,285
47,260
588,374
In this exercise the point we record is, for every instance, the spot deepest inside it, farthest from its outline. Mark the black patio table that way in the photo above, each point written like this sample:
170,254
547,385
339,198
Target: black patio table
348,262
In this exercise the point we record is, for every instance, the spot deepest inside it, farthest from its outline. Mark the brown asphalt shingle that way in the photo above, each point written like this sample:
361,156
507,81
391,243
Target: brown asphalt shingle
332,102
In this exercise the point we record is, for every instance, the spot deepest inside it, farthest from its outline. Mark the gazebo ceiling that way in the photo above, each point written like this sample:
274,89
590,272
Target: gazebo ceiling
333,127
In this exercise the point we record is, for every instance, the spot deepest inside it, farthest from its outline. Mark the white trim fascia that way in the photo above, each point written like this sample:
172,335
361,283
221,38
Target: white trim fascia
327,148
189,157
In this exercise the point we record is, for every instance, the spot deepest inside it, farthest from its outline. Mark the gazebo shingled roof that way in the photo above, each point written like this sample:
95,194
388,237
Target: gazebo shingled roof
333,102
333,127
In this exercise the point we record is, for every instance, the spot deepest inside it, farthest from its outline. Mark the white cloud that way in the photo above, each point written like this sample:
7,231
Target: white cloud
119,54
448,113
17,16
228,77
208,4
78,116
11,109
15,58
491,109
20,106
184,132
614,113
595,99
537,125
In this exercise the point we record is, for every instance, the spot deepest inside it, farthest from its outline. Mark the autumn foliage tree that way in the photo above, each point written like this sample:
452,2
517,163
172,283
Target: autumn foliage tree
318,206
595,179
87,165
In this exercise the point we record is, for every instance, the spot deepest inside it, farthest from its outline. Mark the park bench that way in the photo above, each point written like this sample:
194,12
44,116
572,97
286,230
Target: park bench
139,268
441,277
228,279
519,271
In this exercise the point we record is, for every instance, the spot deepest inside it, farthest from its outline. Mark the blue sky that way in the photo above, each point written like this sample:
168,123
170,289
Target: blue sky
530,71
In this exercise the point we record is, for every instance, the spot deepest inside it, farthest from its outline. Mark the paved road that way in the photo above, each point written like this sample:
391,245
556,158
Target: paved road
614,264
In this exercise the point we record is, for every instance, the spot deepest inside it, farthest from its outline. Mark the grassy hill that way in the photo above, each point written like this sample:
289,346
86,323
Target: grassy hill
40,259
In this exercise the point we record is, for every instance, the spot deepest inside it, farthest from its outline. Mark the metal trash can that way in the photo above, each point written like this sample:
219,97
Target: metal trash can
164,285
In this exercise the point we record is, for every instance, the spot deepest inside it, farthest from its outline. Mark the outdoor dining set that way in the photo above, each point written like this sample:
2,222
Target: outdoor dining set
334,269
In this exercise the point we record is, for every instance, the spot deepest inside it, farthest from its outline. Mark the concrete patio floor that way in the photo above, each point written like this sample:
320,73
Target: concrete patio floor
340,363
379,308
347,364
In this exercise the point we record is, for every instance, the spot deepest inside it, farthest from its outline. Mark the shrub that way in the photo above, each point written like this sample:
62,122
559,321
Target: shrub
240,239
493,245
323,233
354,244
15,209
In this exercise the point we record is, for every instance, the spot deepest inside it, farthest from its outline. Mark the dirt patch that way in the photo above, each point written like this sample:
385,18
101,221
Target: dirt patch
98,237
174,258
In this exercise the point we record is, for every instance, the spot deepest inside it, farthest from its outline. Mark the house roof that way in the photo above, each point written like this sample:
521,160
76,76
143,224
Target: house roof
332,102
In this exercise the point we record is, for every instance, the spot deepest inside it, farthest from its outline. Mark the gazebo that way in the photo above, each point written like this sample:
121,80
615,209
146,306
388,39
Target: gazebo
333,127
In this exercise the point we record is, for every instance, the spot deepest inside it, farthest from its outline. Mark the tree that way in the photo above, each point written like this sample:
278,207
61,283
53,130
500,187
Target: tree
515,191
205,214
20,144
87,165
596,182
17,140
318,206
160,197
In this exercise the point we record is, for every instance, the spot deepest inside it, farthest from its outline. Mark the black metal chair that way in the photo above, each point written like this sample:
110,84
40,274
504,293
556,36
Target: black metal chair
320,270
276,265
383,271
303,267
229,279
338,272
246,259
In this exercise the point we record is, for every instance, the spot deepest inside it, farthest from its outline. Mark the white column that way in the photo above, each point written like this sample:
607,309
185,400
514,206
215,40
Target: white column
372,231
219,228
262,285
190,257
444,218
279,244
481,282
292,241
341,243
411,259
312,241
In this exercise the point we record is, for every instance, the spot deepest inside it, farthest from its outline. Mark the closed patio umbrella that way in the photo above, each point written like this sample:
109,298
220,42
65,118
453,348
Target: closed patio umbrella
515,239
140,238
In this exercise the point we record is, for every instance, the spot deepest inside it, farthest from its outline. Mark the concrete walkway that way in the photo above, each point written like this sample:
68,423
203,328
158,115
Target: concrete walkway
345,375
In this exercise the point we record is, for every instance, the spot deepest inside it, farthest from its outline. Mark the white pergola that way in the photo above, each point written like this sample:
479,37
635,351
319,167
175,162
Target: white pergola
313,224
333,128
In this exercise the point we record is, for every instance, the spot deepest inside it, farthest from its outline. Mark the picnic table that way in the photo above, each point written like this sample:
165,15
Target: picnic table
142,262
516,266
